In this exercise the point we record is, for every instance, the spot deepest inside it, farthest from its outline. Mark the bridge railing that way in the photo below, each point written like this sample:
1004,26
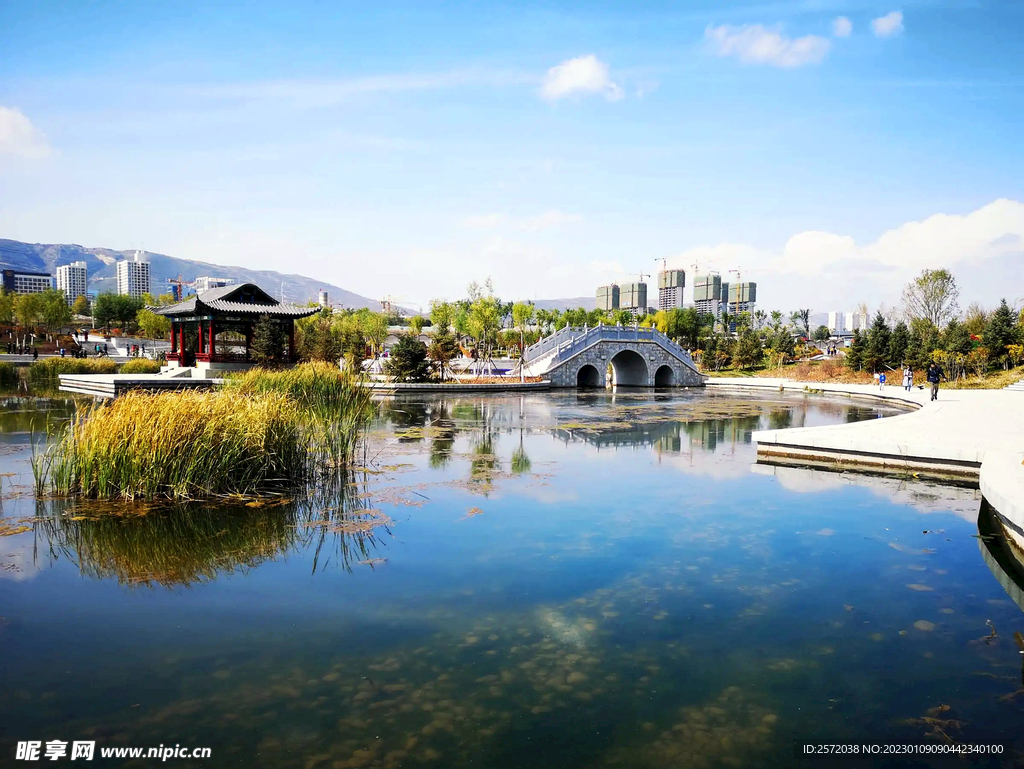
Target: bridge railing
571,340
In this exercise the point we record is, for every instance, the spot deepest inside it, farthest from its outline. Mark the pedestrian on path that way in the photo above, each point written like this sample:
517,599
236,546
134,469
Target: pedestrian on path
908,378
881,381
934,376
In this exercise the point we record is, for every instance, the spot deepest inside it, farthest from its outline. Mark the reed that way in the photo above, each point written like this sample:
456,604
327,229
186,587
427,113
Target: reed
180,445
334,405
262,433
8,374
140,366
48,371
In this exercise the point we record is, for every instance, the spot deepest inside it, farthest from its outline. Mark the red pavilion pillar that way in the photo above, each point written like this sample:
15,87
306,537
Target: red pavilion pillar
174,337
181,347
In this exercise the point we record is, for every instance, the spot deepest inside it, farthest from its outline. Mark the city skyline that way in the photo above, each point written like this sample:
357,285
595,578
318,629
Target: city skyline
828,151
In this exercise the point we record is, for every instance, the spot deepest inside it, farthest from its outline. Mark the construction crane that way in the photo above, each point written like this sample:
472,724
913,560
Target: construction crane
179,284
664,263
738,281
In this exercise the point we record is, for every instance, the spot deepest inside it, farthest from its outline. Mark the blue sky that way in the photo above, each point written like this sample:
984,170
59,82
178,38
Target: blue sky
830,150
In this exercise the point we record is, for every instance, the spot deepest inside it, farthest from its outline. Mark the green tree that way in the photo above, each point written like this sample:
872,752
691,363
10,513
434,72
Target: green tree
957,339
855,352
318,337
416,324
801,320
443,348
876,351
267,344
899,342
442,315
374,326
822,334
522,316
103,310
749,351
153,326
54,310
80,305
932,296
28,310
7,306
353,343
407,360
1000,333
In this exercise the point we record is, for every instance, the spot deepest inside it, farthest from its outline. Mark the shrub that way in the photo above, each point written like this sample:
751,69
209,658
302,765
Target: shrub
8,374
140,366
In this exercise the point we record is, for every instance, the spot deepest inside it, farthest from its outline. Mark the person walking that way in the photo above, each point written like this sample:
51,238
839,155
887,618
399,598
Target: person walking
908,378
881,381
934,376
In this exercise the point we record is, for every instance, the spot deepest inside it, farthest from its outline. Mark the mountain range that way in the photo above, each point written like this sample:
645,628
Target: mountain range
102,272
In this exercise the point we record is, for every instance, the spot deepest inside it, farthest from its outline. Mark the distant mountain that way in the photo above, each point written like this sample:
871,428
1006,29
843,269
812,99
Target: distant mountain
100,262
586,302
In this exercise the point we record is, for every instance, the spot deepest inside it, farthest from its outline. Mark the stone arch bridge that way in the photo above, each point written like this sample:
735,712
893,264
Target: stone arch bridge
611,355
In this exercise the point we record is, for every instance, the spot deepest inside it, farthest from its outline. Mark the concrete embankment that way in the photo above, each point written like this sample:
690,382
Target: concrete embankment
972,436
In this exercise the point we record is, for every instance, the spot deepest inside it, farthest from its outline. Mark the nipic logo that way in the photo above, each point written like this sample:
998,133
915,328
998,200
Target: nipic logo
54,749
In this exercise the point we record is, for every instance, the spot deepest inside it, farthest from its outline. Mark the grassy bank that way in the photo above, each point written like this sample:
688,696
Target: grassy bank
266,431
140,366
834,372
48,371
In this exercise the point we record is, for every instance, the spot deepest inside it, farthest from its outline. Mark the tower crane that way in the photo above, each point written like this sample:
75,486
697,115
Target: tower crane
179,283
738,280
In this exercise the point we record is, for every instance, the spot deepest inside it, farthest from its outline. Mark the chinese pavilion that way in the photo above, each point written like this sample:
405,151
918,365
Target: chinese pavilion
216,326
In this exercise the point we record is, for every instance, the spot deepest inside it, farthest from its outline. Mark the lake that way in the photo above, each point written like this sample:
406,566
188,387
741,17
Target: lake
548,580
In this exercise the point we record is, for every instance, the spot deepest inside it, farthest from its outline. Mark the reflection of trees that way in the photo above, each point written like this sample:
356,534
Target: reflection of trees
780,419
27,415
442,435
192,543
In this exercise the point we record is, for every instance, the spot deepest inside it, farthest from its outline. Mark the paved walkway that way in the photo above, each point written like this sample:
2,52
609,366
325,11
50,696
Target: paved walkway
974,435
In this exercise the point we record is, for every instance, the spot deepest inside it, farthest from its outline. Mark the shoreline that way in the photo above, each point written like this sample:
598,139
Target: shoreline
974,436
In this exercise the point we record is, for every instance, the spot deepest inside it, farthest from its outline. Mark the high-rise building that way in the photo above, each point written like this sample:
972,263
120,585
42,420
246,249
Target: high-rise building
836,323
633,297
322,299
608,298
26,282
72,279
133,276
856,321
707,294
738,297
670,289
205,283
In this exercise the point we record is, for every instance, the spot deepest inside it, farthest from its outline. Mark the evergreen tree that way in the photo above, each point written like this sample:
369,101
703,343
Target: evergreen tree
748,349
267,344
407,360
999,333
957,339
855,352
876,351
899,342
443,348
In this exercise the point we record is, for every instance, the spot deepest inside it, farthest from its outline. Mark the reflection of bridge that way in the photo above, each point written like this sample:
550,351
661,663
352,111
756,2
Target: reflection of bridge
637,357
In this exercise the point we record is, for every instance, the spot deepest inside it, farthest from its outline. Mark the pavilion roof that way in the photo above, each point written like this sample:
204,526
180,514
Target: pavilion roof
242,299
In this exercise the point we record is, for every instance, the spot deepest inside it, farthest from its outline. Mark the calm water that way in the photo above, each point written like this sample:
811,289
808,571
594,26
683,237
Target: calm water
546,581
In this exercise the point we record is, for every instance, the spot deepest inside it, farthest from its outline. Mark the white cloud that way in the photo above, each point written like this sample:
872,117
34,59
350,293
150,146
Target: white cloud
828,266
842,27
19,137
548,219
888,25
757,44
582,75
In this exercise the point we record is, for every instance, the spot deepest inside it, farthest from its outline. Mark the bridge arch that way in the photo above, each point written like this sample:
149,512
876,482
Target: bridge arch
588,376
664,377
629,369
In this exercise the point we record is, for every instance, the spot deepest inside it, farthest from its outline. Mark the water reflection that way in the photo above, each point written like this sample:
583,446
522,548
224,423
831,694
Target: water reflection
187,544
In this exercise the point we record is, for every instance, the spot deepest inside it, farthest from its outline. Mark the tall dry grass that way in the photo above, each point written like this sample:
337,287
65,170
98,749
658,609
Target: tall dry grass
140,366
48,370
263,432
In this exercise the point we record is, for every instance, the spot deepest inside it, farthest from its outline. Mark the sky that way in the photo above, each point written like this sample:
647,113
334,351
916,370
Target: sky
827,150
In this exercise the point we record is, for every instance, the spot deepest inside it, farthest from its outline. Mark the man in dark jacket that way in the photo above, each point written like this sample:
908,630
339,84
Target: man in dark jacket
934,375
